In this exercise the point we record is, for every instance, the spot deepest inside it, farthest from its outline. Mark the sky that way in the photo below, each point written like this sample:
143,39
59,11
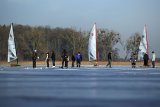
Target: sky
124,16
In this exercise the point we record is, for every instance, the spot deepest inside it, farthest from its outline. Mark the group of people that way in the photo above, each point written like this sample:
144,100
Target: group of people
78,59
35,57
64,56
133,59
65,59
145,60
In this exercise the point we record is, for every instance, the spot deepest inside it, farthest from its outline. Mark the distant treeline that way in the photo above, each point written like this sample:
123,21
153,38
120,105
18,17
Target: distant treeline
46,39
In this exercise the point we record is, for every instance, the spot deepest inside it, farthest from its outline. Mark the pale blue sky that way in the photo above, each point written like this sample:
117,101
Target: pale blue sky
123,16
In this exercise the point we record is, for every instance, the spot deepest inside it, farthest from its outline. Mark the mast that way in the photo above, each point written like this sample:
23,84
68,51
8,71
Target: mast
147,49
96,44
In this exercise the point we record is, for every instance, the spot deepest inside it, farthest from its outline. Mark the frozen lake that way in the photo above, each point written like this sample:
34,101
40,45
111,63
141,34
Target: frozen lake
120,86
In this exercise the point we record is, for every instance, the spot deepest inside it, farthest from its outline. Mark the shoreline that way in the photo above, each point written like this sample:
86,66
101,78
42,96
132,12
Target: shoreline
123,63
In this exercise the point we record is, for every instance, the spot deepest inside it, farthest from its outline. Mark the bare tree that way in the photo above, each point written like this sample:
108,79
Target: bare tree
47,39
107,41
132,44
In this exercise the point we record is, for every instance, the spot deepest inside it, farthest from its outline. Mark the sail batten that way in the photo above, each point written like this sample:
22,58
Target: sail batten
92,45
11,46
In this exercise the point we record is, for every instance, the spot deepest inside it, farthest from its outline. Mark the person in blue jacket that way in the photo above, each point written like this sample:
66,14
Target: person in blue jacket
78,59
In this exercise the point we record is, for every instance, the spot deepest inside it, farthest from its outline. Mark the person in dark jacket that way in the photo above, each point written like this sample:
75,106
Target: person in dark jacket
73,60
145,59
133,60
34,58
53,57
64,58
66,61
78,59
109,59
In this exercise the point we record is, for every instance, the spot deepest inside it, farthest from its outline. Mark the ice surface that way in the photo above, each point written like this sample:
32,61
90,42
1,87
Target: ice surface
88,86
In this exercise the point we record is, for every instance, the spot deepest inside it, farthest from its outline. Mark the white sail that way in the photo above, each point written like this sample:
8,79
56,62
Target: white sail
92,45
11,46
143,48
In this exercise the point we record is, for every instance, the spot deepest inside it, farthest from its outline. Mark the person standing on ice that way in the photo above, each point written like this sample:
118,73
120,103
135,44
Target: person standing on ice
47,59
133,60
109,59
73,60
153,59
34,58
53,57
66,61
64,58
78,59
145,58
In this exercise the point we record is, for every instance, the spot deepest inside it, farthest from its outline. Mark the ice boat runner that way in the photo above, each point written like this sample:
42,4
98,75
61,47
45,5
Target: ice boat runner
12,56
93,46
143,48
